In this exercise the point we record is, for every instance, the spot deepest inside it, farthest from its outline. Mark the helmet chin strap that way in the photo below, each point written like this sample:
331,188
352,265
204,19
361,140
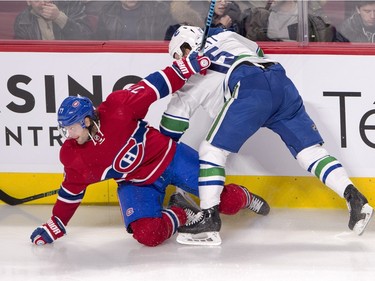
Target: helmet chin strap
97,130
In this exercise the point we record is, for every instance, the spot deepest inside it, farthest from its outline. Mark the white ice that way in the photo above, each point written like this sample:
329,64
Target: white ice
288,244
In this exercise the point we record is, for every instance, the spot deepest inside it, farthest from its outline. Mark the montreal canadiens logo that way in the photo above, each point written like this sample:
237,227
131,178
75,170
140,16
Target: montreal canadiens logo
204,63
129,212
76,103
130,156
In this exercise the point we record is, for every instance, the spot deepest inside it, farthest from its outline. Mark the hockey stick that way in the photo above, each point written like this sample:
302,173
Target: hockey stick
207,26
10,200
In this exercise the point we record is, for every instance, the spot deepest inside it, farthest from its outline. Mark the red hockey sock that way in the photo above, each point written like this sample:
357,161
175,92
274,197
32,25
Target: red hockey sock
232,199
154,231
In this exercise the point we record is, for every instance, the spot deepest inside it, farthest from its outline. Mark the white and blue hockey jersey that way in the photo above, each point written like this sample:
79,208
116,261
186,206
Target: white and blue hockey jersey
226,49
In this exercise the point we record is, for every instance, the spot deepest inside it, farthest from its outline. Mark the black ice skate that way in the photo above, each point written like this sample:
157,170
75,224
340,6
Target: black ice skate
203,231
359,209
258,205
184,201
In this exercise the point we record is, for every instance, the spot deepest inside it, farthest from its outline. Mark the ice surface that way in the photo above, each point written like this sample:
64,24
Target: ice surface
288,244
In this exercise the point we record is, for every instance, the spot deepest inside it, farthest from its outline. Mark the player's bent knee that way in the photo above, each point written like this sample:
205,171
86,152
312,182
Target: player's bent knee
210,153
150,231
232,199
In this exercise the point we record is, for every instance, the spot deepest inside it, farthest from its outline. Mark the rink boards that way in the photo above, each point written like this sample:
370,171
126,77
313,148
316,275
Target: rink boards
280,192
337,95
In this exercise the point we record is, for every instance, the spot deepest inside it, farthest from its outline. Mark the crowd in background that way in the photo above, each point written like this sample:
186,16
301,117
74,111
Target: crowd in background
268,20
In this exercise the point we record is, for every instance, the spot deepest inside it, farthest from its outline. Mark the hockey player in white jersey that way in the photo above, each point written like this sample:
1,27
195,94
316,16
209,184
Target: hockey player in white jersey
244,91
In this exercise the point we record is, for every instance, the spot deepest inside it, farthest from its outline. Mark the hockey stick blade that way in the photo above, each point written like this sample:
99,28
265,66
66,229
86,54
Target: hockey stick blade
207,26
10,200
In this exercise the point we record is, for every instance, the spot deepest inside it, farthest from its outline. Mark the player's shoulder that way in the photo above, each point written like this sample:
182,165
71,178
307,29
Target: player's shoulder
114,100
68,151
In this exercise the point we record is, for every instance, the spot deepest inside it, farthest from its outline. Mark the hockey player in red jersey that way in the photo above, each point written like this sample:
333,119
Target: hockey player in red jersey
114,142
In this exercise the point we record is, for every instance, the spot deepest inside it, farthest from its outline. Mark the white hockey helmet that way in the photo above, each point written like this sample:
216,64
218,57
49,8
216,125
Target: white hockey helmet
191,35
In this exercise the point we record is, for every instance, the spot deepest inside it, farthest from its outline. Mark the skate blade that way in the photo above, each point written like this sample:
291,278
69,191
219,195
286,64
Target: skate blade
200,239
360,226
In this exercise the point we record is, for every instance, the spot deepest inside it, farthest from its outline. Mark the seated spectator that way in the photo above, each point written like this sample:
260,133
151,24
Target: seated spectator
191,13
227,14
52,20
93,7
280,23
253,4
360,27
133,20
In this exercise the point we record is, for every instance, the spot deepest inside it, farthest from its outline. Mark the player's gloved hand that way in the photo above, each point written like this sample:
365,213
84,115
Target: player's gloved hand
48,232
192,64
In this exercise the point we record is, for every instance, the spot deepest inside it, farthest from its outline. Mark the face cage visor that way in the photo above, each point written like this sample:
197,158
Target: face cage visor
72,131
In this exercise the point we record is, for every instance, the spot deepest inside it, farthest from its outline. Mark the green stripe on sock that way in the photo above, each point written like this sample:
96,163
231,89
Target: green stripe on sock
212,172
323,163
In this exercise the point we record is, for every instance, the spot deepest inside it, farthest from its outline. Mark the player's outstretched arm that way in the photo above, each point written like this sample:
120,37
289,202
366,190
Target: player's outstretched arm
48,232
172,78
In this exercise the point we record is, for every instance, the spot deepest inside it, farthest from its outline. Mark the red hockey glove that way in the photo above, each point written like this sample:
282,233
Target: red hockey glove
48,232
191,65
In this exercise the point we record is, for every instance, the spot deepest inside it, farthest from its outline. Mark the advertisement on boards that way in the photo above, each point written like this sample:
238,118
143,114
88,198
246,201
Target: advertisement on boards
337,91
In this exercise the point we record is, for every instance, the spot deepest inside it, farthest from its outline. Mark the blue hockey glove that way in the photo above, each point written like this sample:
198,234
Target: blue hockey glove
192,64
48,232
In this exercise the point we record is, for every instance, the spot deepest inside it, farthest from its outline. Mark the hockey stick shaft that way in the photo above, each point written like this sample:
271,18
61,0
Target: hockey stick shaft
207,26
10,200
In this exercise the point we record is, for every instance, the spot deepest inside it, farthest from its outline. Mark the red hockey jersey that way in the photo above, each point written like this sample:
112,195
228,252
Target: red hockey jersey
126,148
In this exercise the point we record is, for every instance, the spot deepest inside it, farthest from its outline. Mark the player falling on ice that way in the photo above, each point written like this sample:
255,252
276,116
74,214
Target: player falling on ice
114,142
243,92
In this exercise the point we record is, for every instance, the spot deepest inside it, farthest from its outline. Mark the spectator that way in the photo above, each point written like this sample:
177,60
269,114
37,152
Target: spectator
360,27
52,20
133,20
280,23
227,14
93,7
191,13
251,4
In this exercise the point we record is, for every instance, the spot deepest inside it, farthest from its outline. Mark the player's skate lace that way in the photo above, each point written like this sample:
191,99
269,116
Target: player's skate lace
359,209
192,211
207,220
192,217
258,205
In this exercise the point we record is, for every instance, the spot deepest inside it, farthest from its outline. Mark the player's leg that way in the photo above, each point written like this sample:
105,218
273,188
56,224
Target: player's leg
144,215
302,138
240,117
316,160
204,229
236,197
183,172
